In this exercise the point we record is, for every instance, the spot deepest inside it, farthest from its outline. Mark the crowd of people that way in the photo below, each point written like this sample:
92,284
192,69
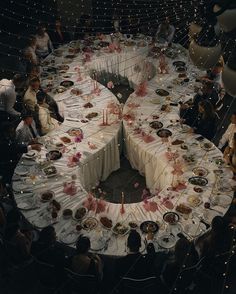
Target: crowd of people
28,112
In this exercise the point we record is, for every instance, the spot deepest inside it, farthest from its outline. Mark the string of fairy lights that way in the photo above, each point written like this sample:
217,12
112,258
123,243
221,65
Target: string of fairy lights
47,10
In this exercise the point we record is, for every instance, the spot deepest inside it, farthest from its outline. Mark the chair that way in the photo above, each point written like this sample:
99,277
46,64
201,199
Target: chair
138,286
47,276
86,284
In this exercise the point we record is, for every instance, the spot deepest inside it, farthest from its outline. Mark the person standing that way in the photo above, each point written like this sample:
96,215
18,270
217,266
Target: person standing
8,98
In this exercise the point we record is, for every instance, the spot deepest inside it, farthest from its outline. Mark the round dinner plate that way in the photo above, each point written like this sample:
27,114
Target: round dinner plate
156,125
71,101
164,133
68,238
149,226
200,171
166,241
162,92
198,181
21,170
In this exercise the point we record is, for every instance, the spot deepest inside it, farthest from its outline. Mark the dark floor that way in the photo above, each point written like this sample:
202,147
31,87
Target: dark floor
124,180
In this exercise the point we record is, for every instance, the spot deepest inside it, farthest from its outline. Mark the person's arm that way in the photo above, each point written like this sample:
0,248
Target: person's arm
43,118
10,102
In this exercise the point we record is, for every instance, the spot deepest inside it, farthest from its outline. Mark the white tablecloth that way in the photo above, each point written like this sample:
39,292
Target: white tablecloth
149,158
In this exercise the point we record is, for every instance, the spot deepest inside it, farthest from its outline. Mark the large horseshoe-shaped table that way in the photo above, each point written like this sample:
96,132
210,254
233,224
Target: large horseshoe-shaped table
166,166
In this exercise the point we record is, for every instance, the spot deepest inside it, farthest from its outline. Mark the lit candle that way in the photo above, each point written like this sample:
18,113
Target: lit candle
122,209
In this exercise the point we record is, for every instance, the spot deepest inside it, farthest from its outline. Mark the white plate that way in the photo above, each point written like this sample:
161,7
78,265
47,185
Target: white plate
21,170
27,205
20,187
74,114
156,101
68,237
221,200
31,154
71,101
166,241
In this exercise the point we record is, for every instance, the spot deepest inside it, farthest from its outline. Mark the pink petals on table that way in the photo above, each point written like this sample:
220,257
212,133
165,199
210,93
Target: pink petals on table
87,57
141,89
74,159
167,203
94,204
177,169
178,187
150,206
70,188
78,139
92,146
147,138
133,105
171,155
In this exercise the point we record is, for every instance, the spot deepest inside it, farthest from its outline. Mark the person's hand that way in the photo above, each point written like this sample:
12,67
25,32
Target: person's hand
36,147
150,236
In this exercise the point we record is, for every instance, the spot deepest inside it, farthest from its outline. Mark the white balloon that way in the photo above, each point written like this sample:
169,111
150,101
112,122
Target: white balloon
227,19
204,57
194,30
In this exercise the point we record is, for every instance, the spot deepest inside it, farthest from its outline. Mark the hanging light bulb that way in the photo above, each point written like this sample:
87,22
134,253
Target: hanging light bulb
229,75
225,11
205,51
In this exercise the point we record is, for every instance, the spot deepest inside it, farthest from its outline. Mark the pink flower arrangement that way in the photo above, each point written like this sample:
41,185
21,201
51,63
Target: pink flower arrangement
70,188
178,169
110,85
150,206
141,89
79,138
74,159
171,155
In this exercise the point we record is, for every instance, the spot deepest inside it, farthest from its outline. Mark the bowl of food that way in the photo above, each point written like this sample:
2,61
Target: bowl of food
207,146
156,125
54,155
171,218
65,140
162,92
164,133
120,229
50,171
67,213
89,223
106,222
91,115
198,181
183,209
149,227
66,84
80,213
75,132
47,196
133,225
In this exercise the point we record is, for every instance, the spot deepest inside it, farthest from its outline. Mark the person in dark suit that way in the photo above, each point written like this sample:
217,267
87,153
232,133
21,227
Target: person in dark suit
189,112
134,264
206,122
59,35
11,151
